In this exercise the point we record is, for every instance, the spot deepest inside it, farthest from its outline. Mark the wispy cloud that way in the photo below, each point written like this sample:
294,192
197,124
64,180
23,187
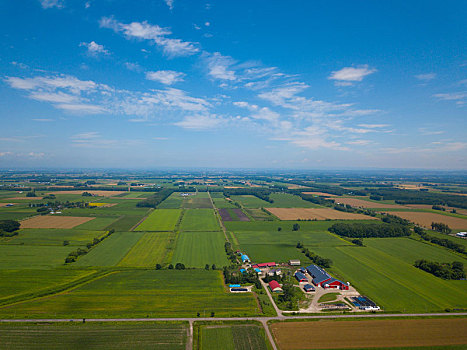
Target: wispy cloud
43,120
430,131
46,4
201,122
170,4
219,66
459,97
167,77
154,33
94,49
349,75
426,77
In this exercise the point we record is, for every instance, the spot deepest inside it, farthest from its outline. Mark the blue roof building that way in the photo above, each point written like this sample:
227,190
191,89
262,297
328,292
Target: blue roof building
301,277
234,286
243,271
245,258
318,274
308,288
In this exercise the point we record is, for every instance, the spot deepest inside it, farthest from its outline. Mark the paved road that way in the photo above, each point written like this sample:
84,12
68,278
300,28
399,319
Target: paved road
190,320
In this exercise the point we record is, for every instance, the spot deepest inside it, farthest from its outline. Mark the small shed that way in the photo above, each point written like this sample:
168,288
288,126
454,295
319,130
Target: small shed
234,286
300,277
245,258
308,288
294,262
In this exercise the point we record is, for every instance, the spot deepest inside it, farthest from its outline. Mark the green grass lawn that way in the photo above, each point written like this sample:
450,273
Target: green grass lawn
148,251
111,250
199,220
51,236
391,280
32,256
196,249
142,293
170,336
234,337
160,220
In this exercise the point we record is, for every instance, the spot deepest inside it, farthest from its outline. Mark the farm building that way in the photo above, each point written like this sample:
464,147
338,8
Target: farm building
275,272
335,283
264,265
461,234
308,288
243,271
294,262
258,271
245,258
300,277
302,270
239,290
323,279
275,287
234,286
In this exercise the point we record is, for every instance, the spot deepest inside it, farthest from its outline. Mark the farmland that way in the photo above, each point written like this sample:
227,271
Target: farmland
356,202
196,249
174,201
171,336
377,333
425,219
54,237
54,222
233,337
315,214
148,251
160,220
250,201
199,220
142,293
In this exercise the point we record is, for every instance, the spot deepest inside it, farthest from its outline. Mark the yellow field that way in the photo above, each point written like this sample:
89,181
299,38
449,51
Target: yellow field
368,334
315,213
99,204
425,219
49,221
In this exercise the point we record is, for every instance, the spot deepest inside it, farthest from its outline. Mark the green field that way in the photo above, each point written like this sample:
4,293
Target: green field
198,201
383,271
235,337
196,249
148,251
125,222
51,236
222,203
249,201
174,201
170,336
286,200
160,220
199,220
111,250
32,256
142,293
99,223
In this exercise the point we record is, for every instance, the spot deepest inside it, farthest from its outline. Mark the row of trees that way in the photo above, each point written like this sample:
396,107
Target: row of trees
360,230
444,242
235,277
230,253
440,227
157,198
447,271
261,193
74,255
316,259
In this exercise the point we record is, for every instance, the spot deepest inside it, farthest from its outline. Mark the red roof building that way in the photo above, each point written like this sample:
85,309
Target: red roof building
275,287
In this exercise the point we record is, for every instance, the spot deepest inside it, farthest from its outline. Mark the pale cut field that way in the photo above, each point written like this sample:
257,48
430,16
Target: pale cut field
320,194
355,202
94,192
54,221
23,198
428,206
425,219
371,334
315,213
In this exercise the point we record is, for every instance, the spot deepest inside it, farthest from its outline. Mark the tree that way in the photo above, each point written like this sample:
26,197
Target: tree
9,225
31,194
279,228
198,314
299,245
213,266
179,266
206,267
158,266
65,243
358,241
295,227
212,314
171,267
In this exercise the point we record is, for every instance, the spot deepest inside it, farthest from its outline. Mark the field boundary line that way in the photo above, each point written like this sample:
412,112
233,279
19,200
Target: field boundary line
219,219
143,218
61,289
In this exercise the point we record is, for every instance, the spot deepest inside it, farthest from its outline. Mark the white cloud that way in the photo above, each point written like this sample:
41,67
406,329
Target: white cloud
243,104
81,108
219,66
207,24
459,97
135,67
154,33
43,120
360,142
5,154
201,122
427,131
94,48
170,4
46,4
266,114
167,77
373,126
59,97
87,4
349,75
426,76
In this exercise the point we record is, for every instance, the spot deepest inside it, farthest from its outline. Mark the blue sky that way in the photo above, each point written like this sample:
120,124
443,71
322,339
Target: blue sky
235,84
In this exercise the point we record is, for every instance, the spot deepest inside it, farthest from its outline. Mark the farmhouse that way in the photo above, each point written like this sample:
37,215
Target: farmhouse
300,277
295,262
275,287
275,272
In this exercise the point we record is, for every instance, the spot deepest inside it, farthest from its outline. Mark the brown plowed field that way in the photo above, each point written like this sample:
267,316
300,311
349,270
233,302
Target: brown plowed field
370,334
94,192
24,198
48,221
355,202
321,194
425,219
315,213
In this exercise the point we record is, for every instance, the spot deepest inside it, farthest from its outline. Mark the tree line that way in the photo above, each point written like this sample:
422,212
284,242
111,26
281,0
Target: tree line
74,255
315,258
361,230
9,228
447,271
444,242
